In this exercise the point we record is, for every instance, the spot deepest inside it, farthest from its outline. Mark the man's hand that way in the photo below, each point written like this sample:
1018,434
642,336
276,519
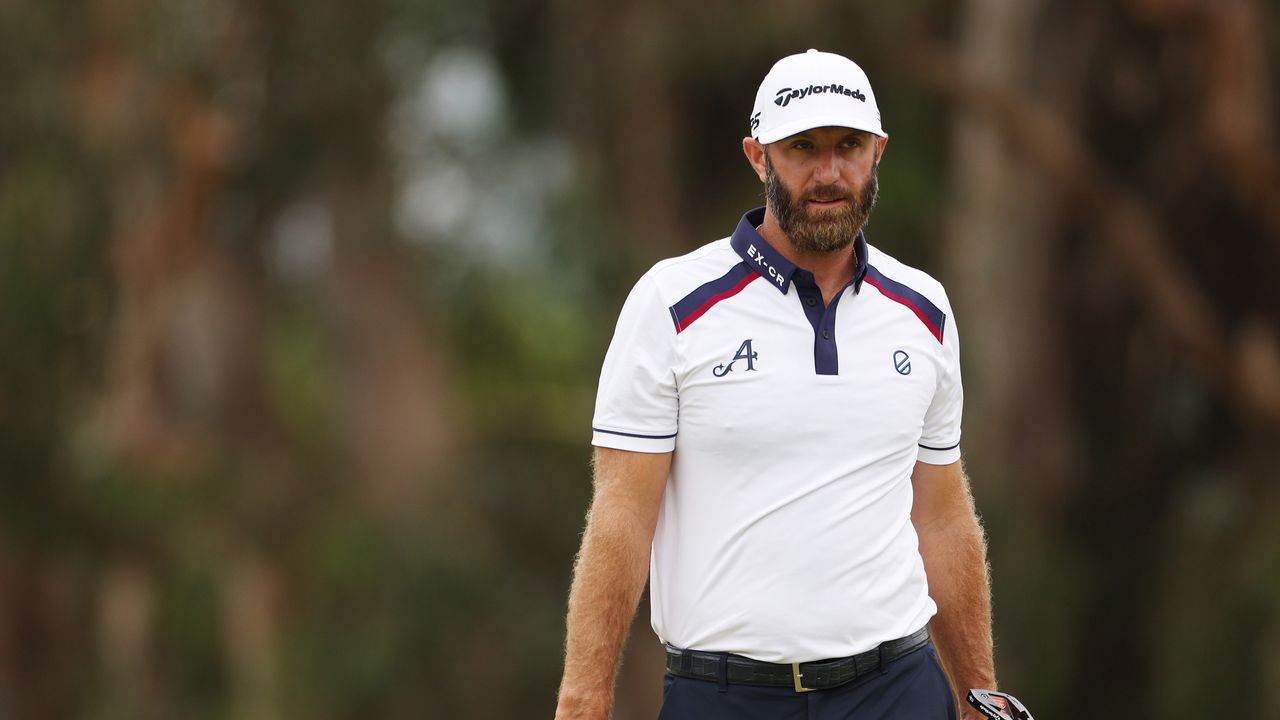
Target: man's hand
609,576
994,704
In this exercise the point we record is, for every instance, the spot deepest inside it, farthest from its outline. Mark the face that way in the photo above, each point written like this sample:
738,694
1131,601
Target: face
821,186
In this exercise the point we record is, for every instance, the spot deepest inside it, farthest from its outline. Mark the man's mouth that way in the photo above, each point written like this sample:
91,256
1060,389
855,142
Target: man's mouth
828,202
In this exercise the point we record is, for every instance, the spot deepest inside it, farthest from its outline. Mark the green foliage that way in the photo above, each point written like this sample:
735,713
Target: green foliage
189,633
300,377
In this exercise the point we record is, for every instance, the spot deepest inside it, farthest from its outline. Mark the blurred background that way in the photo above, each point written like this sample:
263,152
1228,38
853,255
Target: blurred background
302,307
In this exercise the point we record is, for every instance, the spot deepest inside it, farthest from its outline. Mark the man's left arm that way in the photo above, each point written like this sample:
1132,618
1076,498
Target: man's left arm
954,549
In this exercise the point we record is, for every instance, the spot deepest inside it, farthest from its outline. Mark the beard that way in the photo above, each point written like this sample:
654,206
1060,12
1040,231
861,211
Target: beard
825,231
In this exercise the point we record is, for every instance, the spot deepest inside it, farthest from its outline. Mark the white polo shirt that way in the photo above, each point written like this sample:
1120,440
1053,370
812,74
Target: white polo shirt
785,532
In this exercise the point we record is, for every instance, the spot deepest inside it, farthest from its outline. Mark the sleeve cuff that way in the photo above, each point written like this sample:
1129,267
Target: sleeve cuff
938,455
635,442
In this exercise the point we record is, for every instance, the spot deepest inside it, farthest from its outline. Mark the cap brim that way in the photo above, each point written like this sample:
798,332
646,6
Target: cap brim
786,130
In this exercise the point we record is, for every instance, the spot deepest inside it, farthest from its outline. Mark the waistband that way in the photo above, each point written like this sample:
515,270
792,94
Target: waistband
802,677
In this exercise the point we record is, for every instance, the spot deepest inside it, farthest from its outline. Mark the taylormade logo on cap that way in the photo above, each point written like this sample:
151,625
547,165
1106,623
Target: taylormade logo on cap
786,95
810,90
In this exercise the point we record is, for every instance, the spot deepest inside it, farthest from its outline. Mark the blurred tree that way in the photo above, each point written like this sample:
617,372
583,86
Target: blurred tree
174,450
1131,117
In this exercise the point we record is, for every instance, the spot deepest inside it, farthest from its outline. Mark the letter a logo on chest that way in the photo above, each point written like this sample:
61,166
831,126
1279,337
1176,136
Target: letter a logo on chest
744,353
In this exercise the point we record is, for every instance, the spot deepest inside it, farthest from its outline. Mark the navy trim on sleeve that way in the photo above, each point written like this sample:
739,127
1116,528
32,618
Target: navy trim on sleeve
645,437
949,447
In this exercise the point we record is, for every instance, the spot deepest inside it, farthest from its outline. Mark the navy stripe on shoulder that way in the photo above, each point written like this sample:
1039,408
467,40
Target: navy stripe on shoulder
697,303
929,314
634,435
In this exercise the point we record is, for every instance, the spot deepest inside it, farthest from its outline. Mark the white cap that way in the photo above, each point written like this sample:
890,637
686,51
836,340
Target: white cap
810,90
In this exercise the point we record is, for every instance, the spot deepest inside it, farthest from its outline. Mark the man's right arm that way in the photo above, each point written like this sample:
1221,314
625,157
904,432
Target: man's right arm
609,576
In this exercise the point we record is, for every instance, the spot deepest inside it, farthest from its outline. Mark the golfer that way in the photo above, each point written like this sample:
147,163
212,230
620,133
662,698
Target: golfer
777,443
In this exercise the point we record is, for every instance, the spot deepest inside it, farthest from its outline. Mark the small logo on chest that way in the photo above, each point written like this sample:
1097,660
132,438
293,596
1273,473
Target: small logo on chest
744,353
902,362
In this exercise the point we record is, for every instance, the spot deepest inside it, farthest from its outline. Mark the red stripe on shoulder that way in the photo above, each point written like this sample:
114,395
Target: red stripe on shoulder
929,314
711,301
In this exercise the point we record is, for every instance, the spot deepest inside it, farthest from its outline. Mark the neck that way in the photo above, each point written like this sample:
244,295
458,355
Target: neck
831,270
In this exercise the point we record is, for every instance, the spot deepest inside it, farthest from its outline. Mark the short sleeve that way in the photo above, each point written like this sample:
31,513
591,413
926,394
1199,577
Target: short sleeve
940,439
637,402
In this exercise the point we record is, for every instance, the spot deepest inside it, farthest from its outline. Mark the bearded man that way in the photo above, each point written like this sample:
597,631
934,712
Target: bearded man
777,441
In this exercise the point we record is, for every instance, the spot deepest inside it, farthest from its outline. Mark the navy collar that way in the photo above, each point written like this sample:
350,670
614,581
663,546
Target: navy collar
771,265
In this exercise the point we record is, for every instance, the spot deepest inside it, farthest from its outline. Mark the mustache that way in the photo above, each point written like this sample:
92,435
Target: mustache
827,193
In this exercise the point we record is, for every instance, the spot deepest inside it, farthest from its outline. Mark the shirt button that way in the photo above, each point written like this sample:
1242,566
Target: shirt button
826,334
811,302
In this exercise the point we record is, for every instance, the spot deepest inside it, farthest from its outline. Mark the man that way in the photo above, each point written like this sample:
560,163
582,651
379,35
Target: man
777,439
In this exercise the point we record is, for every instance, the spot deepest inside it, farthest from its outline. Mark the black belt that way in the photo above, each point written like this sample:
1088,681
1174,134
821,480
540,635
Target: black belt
816,675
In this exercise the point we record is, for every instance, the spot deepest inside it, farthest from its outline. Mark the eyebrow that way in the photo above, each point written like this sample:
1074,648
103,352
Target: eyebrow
860,134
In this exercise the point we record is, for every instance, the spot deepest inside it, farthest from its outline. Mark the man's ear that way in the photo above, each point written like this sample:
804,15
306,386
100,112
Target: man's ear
755,155
881,143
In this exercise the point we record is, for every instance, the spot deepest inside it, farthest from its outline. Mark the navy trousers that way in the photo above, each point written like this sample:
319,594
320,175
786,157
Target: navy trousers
913,687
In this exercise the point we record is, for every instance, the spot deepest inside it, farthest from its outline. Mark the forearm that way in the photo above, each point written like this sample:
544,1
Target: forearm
955,559
608,578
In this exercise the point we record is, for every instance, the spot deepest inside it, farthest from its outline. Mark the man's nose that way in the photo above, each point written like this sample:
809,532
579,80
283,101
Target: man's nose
828,166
